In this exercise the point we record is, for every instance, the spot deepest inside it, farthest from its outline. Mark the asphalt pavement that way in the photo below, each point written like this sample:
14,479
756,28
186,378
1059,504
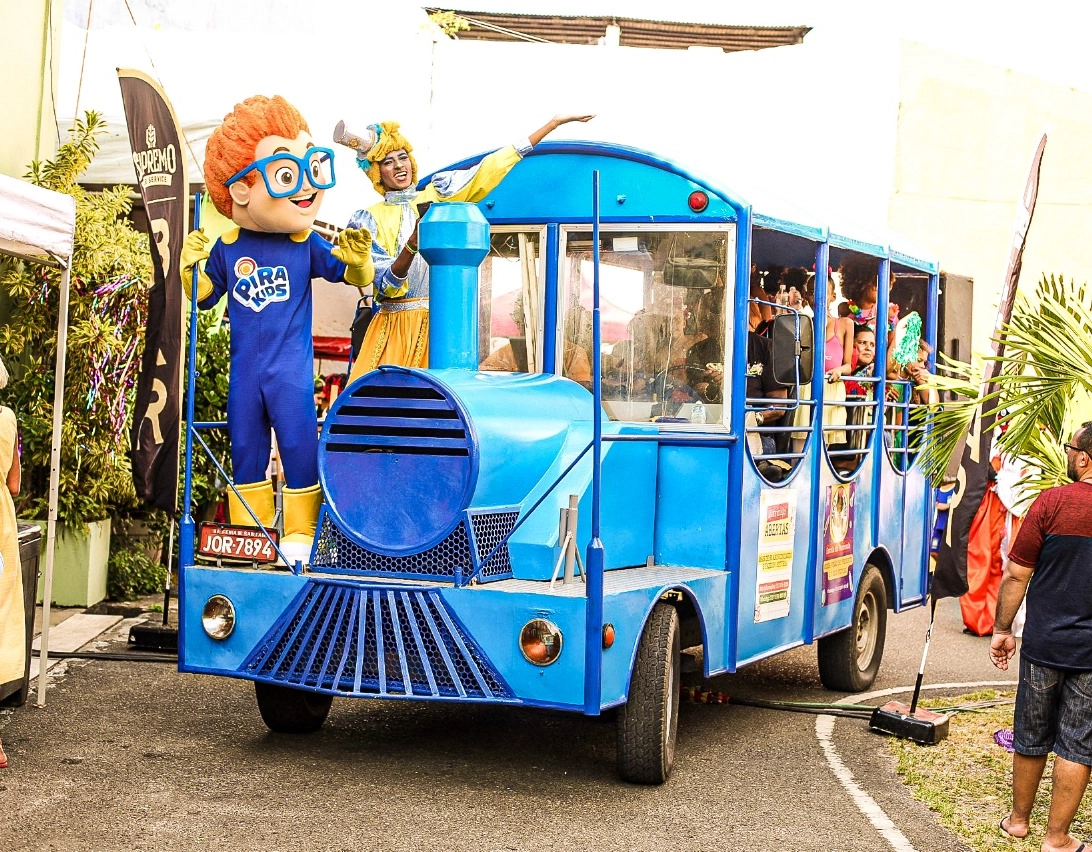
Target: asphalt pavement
135,756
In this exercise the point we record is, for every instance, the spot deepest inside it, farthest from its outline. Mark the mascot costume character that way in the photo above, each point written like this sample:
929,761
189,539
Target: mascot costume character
265,174
398,333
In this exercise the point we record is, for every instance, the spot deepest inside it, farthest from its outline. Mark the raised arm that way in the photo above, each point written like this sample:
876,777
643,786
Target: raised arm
554,123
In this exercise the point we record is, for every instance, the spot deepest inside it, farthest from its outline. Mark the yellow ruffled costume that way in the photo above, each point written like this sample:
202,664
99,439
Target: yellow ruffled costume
13,635
398,334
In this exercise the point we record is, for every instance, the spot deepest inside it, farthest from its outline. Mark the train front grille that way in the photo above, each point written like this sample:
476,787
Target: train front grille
380,641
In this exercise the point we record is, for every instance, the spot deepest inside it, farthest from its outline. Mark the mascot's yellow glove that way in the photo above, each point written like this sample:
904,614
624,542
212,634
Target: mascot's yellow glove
354,249
194,250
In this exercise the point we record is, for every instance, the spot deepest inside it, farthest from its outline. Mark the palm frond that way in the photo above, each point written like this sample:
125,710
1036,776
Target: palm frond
947,426
1042,378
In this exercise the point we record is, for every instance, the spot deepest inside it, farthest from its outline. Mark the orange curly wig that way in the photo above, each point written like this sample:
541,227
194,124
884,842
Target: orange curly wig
231,146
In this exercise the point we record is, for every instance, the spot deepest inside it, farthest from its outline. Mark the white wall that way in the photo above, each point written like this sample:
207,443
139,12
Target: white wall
967,132
848,124
28,66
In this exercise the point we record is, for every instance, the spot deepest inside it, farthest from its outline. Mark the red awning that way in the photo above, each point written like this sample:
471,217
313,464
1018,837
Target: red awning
332,347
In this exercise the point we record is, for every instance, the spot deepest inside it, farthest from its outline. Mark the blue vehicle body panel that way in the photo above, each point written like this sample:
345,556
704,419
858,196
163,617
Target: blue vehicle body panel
439,538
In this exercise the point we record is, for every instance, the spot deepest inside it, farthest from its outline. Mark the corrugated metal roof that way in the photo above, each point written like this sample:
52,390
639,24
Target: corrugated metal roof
633,32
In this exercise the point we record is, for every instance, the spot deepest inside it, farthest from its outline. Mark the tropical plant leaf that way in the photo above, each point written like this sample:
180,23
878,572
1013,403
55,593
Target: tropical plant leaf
1041,392
110,276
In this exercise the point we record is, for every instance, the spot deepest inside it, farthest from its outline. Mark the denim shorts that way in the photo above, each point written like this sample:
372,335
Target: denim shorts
1053,713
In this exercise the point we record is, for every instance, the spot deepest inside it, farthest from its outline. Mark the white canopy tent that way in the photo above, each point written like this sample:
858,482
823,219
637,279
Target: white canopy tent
39,225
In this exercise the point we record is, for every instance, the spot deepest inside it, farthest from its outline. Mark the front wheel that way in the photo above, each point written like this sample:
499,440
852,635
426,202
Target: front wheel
291,711
850,659
648,721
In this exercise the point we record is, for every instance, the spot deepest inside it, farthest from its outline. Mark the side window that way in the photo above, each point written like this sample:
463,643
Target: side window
510,299
660,355
908,369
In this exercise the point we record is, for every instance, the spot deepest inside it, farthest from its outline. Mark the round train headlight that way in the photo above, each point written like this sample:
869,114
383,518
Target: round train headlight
540,642
218,617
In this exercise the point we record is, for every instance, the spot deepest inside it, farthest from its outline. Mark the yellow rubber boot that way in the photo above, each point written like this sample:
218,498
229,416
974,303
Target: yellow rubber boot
259,496
301,508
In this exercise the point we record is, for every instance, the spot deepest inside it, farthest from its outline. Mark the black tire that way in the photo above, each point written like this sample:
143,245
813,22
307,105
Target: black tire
648,721
291,711
850,659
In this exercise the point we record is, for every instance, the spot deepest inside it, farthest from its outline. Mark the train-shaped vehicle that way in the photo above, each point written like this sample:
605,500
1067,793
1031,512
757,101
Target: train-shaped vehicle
555,534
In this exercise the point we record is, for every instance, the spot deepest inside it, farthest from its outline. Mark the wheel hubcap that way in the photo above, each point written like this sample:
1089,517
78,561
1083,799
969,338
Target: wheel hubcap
866,631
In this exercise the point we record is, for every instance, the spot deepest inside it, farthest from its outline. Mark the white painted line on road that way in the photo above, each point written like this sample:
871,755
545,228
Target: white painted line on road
71,635
824,730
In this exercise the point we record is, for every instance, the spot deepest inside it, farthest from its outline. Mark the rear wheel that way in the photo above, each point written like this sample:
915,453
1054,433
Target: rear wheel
291,711
648,722
850,659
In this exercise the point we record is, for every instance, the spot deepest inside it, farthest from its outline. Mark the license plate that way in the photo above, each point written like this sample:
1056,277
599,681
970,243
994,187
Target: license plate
222,541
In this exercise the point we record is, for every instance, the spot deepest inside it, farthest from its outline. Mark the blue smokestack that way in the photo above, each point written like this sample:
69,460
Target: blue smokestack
454,240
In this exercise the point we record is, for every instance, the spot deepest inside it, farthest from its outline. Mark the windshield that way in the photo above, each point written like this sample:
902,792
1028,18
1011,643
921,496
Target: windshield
663,319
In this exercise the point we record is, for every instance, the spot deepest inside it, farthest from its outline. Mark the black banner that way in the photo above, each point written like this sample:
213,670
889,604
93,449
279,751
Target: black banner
160,162
971,460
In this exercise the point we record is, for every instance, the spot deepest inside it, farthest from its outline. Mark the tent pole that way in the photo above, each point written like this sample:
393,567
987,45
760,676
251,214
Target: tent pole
54,481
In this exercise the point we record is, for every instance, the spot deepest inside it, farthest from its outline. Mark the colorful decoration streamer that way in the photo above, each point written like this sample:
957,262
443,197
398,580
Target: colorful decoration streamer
113,373
907,339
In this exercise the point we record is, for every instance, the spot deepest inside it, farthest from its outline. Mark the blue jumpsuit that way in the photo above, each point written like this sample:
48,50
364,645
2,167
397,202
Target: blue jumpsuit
267,278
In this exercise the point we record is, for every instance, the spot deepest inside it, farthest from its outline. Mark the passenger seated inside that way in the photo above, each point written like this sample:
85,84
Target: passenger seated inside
909,384
864,347
917,375
858,416
705,359
631,369
794,290
650,366
512,356
762,386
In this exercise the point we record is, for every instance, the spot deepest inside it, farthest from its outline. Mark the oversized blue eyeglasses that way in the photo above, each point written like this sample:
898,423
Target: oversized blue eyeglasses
283,173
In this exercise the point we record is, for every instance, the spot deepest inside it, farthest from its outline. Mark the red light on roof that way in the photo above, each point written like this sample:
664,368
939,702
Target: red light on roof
698,201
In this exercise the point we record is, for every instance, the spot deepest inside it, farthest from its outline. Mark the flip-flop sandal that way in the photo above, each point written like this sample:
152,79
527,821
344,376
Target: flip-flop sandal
1006,834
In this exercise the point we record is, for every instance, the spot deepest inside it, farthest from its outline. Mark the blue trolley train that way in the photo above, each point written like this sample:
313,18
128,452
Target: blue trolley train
579,487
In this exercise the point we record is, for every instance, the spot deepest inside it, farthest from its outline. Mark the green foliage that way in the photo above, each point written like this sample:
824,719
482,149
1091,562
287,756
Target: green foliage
210,406
449,23
110,277
131,573
1042,391
966,779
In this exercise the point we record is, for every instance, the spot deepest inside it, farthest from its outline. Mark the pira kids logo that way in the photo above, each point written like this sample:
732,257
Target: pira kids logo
259,286
155,166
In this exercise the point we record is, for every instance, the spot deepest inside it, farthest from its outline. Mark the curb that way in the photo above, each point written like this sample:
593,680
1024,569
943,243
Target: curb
81,628
70,635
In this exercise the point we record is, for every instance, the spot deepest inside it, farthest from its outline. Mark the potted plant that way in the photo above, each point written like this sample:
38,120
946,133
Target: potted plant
110,277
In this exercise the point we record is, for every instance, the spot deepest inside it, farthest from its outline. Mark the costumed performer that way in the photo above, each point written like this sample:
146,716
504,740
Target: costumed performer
992,532
398,333
264,172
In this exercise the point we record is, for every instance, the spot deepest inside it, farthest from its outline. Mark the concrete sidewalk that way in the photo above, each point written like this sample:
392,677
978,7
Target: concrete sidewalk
72,628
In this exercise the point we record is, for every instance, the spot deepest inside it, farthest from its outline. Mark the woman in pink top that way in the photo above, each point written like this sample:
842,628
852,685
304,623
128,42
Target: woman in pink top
838,348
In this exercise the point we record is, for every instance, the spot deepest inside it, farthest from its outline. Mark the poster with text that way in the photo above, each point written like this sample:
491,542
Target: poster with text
838,544
776,531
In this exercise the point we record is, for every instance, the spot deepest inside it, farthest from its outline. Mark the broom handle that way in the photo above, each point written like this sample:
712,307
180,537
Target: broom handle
924,655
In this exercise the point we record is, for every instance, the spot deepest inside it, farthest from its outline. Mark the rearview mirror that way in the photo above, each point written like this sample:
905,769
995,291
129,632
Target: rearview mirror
791,344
